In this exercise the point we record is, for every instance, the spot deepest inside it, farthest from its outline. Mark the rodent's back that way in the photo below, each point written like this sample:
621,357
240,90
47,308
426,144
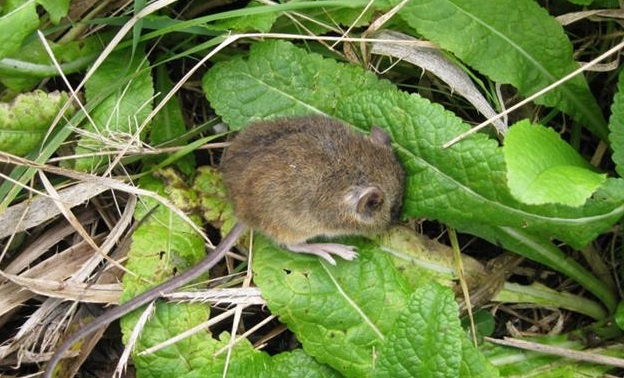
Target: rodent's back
292,178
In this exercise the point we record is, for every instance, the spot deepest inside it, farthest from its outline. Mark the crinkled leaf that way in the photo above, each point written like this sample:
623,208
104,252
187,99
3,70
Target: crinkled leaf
245,361
249,363
162,244
178,191
467,182
616,125
428,341
339,313
25,122
426,338
213,203
116,117
279,80
542,168
513,42
295,364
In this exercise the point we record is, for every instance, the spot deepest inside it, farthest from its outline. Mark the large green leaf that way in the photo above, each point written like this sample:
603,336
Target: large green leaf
428,341
513,42
339,313
426,338
466,183
616,125
297,364
542,168
280,80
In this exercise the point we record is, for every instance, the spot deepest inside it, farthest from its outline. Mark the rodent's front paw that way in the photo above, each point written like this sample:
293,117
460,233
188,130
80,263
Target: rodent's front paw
325,250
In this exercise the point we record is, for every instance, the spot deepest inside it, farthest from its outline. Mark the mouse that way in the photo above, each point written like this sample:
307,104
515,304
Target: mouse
302,178
293,179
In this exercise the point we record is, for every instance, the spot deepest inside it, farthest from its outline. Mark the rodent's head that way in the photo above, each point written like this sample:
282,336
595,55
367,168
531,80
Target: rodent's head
372,189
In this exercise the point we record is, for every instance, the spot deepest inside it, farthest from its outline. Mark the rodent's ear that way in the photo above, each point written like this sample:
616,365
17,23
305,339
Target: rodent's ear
379,136
369,200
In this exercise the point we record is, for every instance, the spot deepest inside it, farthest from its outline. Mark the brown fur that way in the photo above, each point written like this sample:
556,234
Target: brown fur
297,178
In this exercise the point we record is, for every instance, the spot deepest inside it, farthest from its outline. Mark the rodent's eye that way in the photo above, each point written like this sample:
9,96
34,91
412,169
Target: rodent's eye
374,203
371,201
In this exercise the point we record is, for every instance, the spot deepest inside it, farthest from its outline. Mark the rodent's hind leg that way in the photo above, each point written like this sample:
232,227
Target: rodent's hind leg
325,250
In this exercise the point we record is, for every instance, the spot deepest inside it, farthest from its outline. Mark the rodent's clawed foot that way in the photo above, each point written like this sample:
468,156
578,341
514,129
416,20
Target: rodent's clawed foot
325,250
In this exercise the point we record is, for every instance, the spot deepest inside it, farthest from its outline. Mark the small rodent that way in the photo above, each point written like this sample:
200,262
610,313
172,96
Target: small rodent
295,179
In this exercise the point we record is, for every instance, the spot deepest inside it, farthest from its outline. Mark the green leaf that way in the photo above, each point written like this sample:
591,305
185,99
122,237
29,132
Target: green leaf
467,182
168,123
542,168
162,244
619,315
21,128
616,125
245,361
255,22
426,340
18,22
279,80
213,202
474,363
24,68
297,364
484,321
117,117
339,313
57,9
513,42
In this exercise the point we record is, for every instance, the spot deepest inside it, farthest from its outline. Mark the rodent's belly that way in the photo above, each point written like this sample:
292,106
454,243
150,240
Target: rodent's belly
288,229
